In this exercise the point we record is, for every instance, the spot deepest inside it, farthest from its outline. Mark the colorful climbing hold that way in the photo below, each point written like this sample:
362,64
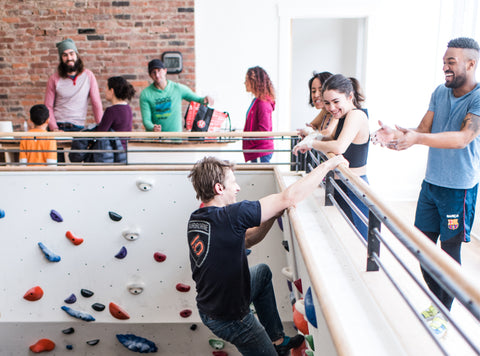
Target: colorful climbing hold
310,308
114,216
86,293
298,318
185,313
219,353
98,306
122,253
78,314
55,215
71,299
69,347
217,344
309,353
159,257
33,294
298,284
193,327
52,257
248,251
181,287
285,245
118,312
42,345
93,342
137,343
280,222
2,213
68,331
299,351
75,240
309,339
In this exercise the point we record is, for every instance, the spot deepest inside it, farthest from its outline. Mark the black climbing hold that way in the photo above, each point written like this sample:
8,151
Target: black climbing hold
98,306
71,299
55,215
193,327
68,331
93,342
285,245
114,216
122,253
86,293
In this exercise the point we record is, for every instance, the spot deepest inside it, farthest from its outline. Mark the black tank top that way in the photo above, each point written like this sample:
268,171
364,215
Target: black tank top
356,154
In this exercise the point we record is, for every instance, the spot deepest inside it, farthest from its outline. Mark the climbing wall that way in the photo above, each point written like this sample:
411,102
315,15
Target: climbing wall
87,256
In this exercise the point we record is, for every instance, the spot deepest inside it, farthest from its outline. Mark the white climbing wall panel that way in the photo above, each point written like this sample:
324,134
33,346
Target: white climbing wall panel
84,200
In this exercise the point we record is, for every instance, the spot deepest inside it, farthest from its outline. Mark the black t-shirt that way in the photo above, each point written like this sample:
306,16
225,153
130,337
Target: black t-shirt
216,237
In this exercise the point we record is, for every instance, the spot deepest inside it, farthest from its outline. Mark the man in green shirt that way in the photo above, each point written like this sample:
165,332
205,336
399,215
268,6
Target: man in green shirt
161,101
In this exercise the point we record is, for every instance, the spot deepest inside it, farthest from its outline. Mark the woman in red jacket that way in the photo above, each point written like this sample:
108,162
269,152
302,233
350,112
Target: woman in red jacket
259,114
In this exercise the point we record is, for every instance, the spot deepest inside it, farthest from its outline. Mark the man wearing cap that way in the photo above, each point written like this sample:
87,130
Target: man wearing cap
161,101
68,91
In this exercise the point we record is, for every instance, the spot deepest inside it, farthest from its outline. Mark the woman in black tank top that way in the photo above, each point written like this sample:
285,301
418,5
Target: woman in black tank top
342,98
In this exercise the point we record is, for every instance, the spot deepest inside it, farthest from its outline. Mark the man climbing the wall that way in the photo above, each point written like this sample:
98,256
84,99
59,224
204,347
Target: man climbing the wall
218,234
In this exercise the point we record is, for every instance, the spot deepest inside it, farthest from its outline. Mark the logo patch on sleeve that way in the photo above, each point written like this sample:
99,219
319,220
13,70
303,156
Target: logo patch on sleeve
198,240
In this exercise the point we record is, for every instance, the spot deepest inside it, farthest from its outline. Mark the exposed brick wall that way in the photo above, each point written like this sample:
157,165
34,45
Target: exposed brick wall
112,37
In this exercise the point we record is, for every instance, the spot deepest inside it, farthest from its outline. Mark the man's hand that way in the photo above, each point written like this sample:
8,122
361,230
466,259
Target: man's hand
409,138
157,128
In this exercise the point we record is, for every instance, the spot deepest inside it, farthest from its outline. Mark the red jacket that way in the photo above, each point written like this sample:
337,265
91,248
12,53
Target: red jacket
259,118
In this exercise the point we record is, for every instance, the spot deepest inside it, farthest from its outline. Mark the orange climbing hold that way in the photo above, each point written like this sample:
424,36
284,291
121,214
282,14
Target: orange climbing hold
34,294
42,345
118,312
75,240
299,321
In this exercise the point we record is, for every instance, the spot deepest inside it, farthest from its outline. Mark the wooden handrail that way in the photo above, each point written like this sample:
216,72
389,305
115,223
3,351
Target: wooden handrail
138,134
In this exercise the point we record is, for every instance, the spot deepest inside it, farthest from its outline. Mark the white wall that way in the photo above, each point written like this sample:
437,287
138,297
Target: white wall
405,44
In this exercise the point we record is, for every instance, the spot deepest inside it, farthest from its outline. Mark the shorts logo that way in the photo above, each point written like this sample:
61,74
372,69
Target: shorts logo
201,124
453,224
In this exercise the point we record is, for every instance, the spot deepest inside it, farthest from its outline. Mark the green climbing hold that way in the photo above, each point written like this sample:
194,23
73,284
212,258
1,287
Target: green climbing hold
216,344
309,353
309,339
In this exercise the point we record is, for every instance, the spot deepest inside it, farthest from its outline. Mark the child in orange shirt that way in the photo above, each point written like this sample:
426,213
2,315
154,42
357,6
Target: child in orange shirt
47,148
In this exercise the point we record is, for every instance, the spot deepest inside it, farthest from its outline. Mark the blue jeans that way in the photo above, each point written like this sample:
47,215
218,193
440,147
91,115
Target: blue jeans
251,337
263,159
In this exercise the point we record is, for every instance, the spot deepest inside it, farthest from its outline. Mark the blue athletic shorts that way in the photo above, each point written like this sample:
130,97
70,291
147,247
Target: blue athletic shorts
447,211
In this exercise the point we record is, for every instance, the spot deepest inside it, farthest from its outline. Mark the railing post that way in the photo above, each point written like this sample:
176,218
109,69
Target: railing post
329,188
373,245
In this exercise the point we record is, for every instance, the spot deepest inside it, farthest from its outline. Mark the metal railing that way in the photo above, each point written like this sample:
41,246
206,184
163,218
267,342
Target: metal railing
440,266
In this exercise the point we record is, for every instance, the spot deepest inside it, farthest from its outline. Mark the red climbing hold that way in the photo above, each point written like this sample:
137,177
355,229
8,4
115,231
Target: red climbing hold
185,313
118,312
298,284
42,345
183,287
219,353
34,294
299,321
159,257
75,240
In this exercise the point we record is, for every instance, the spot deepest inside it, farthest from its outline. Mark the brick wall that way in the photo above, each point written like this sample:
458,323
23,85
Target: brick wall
112,37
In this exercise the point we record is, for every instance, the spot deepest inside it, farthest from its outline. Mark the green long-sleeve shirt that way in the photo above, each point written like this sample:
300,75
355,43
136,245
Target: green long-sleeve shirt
164,107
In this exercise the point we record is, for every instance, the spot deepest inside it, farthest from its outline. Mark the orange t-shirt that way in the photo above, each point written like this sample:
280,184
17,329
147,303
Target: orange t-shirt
41,144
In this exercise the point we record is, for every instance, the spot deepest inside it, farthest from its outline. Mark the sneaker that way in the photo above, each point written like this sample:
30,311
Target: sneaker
430,313
289,343
438,325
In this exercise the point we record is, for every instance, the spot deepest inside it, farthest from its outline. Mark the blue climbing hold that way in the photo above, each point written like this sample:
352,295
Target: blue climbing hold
248,251
93,342
310,308
78,314
137,343
280,222
55,215
71,299
52,257
2,213
122,253
114,216
69,347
